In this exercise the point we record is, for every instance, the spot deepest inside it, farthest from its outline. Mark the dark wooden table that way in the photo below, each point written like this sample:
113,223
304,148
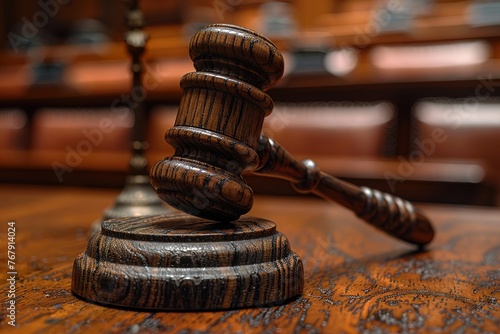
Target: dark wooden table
357,279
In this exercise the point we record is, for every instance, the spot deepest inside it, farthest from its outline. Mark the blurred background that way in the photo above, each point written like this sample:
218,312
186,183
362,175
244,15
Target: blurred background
400,95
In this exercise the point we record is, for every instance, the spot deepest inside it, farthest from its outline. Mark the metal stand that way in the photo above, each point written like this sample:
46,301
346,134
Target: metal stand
137,198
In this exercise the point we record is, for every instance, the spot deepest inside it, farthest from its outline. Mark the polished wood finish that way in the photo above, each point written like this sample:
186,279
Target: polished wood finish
177,262
218,124
216,138
391,214
355,280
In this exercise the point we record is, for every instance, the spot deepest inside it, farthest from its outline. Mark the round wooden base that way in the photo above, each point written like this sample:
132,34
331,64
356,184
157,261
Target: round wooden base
180,262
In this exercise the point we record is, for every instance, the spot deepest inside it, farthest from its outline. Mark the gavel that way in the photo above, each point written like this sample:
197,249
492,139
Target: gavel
217,135
218,260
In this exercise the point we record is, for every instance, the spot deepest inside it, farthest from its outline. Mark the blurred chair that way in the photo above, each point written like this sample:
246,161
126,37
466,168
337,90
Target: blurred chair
470,130
460,131
334,129
13,129
82,129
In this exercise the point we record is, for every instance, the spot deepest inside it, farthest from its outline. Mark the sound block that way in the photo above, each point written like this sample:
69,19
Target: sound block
181,262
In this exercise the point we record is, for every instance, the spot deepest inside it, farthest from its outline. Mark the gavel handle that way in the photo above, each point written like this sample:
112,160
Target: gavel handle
391,214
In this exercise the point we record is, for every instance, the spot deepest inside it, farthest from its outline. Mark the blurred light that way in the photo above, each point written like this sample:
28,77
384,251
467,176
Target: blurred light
430,56
341,61
437,114
13,119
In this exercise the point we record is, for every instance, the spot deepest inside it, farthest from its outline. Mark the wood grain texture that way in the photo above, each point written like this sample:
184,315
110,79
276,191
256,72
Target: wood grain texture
217,135
218,124
391,214
180,262
356,279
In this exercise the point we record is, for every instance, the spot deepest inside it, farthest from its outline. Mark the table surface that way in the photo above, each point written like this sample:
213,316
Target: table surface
356,278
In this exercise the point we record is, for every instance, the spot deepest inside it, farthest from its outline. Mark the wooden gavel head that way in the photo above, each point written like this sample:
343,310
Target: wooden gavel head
219,123
217,135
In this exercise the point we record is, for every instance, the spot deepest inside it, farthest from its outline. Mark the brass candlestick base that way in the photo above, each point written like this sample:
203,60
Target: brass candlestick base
137,198
180,262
